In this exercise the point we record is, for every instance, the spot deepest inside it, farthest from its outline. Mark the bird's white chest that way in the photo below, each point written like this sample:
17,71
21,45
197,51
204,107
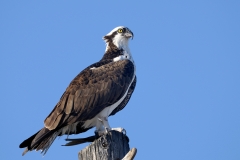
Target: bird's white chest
126,55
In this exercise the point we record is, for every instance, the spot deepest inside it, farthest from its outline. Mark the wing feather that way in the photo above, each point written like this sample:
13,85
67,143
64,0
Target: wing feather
90,92
56,122
69,106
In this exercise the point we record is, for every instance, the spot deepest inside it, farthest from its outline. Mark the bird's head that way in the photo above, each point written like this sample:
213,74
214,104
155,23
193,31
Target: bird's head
118,38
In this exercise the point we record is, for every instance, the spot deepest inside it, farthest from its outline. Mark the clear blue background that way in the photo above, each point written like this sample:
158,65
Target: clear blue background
187,101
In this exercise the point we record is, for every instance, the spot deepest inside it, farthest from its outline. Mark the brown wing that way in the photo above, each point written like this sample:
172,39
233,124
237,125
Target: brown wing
90,92
126,99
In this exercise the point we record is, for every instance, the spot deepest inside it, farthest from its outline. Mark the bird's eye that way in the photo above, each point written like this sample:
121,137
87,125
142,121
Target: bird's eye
120,30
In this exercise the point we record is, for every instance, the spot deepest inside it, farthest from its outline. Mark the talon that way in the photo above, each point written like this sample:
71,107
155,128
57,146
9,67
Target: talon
107,130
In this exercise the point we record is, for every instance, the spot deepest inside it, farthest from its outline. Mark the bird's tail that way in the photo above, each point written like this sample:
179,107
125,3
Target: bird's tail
79,140
41,140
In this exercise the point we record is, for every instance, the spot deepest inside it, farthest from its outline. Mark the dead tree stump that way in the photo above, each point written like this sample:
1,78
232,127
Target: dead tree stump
113,146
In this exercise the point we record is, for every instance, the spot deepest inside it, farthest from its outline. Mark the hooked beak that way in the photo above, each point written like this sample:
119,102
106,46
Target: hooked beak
129,34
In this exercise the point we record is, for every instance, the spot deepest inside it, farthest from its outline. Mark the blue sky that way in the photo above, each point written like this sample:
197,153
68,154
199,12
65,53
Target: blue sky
187,101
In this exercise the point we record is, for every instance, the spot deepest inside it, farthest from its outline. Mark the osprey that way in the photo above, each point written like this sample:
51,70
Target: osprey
99,91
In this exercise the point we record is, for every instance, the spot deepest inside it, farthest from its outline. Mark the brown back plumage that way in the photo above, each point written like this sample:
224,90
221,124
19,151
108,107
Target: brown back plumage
90,92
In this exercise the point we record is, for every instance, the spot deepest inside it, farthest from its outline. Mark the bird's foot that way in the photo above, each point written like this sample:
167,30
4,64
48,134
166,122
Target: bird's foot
102,132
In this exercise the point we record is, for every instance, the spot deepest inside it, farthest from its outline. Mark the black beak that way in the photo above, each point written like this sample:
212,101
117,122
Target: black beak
129,33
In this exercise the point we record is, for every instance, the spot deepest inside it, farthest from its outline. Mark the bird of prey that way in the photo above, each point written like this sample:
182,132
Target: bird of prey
99,91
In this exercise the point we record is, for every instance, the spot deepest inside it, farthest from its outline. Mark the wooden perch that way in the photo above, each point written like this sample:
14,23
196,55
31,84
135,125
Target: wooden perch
113,146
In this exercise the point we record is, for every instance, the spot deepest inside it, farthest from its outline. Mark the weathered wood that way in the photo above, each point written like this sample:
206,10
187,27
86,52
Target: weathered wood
131,154
113,146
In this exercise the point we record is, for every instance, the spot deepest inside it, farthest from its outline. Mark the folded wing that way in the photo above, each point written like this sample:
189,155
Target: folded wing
90,92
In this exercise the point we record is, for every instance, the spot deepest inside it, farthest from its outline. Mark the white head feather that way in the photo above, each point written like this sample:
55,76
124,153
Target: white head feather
121,42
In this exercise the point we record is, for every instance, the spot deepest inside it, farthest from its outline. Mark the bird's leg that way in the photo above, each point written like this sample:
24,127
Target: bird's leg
99,128
105,123
103,126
